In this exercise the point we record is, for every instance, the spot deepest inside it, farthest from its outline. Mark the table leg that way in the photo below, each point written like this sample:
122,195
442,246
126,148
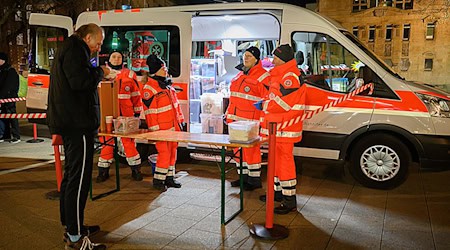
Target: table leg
222,198
241,189
116,163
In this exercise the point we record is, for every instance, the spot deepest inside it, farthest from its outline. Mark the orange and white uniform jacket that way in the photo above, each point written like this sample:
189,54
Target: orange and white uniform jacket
245,90
129,96
285,103
161,107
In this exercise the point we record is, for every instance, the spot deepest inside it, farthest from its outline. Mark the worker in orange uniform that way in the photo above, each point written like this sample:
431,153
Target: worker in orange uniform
162,112
130,105
250,85
284,105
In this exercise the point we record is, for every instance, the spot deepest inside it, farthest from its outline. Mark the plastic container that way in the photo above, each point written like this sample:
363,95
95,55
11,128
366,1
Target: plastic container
211,124
152,160
211,103
243,130
126,124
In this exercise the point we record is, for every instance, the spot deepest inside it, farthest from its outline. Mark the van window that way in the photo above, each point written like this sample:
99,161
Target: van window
46,40
136,43
203,49
325,63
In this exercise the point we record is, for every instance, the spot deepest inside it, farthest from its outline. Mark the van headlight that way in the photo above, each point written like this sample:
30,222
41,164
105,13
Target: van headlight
437,107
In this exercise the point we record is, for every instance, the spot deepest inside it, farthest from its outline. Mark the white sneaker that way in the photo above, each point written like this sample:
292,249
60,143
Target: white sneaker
14,140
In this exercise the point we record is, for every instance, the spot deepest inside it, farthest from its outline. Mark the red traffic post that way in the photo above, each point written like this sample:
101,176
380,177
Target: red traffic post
56,142
270,231
35,139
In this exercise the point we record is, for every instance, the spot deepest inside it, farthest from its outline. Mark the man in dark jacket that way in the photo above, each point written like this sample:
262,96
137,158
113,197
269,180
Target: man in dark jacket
9,87
73,113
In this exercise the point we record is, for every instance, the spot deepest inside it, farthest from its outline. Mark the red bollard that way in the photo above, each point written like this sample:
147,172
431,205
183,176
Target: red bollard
270,231
270,175
56,142
35,139
58,167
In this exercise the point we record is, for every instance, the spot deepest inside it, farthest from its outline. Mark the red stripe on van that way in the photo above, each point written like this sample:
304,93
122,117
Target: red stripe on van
435,94
118,11
319,97
100,13
182,95
135,10
38,81
408,102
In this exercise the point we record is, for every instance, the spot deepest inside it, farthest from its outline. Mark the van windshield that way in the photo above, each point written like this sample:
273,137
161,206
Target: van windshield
371,54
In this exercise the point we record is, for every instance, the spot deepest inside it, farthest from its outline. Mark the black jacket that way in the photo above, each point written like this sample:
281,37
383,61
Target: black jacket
73,104
9,82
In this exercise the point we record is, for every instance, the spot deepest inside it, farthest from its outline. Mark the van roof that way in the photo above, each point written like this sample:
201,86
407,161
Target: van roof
290,13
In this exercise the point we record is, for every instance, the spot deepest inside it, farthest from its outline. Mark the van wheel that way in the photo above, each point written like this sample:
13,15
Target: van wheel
380,161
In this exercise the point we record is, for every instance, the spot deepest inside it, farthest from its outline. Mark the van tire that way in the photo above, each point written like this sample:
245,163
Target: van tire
391,156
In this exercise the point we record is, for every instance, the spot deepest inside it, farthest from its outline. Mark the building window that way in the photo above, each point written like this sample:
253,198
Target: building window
372,33
430,31
355,31
359,5
389,32
428,64
403,4
406,31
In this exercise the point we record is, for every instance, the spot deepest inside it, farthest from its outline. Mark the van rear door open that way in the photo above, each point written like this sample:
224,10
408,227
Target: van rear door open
174,27
47,31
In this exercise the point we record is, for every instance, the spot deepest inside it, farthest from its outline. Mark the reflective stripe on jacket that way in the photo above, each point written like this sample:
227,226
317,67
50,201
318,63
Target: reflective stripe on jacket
285,101
161,108
245,90
130,101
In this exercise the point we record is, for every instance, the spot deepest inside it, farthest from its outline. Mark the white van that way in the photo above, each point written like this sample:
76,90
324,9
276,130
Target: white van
378,134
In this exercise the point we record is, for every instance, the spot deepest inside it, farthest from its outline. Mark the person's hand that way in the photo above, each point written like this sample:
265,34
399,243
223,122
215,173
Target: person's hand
258,105
106,70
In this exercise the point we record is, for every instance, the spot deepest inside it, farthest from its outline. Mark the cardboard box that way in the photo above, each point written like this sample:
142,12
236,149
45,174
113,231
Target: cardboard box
109,102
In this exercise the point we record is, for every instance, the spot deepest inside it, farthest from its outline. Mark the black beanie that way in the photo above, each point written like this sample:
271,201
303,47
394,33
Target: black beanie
254,51
154,63
4,57
116,67
284,52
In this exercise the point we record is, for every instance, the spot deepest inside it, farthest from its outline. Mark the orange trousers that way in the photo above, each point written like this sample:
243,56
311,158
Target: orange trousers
167,154
131,153
251,161
285,179
284,161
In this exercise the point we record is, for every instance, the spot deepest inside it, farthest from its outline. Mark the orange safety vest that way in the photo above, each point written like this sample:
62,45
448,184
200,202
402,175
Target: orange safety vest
129,96
285,103
245,90
161,107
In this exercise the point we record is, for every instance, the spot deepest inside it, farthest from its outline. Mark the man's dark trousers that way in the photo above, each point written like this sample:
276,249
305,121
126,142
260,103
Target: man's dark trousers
79,157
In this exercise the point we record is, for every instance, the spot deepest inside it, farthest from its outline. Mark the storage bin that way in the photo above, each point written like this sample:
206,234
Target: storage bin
124,124
243,130
211,124
211,103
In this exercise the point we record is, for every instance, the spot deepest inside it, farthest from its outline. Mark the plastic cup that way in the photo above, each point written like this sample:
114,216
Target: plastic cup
109,121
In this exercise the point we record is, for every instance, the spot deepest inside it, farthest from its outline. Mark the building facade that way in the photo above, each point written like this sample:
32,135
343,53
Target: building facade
412,36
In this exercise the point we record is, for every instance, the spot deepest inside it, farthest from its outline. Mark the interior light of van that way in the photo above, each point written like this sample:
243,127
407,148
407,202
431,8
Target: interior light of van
437,107
227,18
